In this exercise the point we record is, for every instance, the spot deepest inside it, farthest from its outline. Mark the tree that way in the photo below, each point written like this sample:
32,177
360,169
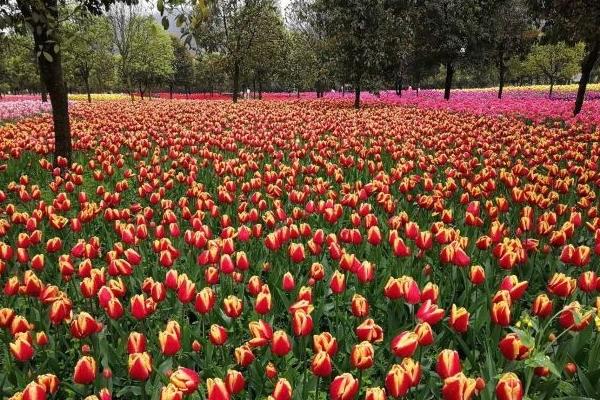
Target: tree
554,61
150,60
302,65
354,28
266,55
211,71
507,34
229,27
87,47
18,67
581,20
42,19
126,25
182,66
452,29
308,23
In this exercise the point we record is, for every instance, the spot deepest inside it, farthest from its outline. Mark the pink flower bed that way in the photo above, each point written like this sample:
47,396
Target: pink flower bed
12,110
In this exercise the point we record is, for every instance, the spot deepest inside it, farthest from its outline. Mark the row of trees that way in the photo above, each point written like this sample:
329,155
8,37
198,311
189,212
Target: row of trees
318,45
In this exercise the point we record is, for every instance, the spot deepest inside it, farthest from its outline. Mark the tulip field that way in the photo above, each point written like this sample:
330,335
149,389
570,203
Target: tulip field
299,249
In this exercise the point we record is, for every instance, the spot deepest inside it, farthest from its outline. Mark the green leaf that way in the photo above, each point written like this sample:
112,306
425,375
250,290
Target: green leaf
542,360
47,56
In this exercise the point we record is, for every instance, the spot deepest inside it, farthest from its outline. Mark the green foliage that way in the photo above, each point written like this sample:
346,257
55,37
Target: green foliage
210,72
151,58
18,69
554,62
182,65
87,51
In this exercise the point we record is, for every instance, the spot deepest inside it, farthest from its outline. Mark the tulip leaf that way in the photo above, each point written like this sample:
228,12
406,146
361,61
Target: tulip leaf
586,384
542,360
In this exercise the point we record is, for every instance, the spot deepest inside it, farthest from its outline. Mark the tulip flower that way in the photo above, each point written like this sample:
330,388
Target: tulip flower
139,366
362,355
448,363
343,387
509,387
185,379
234,381
217,389
397,381
218,335
405,344
280,344
512,348
459,387
282,390
171,392
85,370
325,342
459,319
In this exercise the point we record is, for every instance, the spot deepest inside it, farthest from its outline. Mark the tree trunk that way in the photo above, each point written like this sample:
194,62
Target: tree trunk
500,75
236,80
254,87
357,96
260,89
171,92
298,93
551,88
51,74
448,84
87,88
43,91
586,69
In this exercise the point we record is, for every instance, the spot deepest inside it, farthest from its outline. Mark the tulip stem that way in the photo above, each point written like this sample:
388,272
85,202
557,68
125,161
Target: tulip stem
360,375
317,388
143,390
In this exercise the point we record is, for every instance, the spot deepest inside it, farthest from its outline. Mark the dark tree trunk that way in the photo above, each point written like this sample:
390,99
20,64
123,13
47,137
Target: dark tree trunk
51,74
236,80
586,69
87,88
399,86
43,91
260,89
500,75
357,96
254,87
171,92
551,87
448,84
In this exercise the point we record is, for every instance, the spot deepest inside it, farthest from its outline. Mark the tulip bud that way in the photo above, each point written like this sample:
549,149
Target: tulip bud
509,387
85,370
139,366
281,344
448,363
282,390
234,381
343,387
217,390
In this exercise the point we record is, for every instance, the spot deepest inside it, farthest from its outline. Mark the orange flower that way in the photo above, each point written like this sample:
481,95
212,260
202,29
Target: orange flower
448,363
85,370
343,387
509,387
397,381
140,366
459,387
217,390
362,355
